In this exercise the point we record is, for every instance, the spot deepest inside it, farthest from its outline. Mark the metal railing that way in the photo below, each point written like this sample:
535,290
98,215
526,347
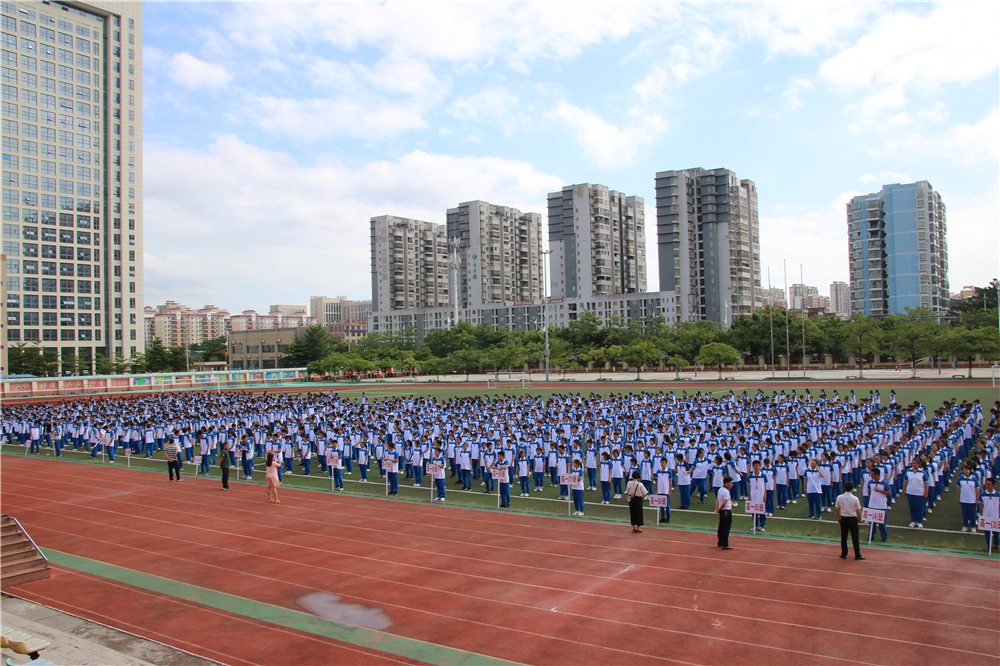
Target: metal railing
25,533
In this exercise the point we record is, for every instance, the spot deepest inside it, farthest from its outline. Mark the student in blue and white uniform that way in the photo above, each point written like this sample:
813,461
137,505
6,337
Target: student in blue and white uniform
989,507
968,495
917,486
878,498
663,485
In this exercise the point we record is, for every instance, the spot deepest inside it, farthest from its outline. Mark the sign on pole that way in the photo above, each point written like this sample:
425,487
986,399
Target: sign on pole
569,480
756,509
991,525
874,517
432,469
659,502
386,467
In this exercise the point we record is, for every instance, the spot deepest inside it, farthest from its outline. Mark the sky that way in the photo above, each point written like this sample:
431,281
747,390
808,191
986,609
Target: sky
273,132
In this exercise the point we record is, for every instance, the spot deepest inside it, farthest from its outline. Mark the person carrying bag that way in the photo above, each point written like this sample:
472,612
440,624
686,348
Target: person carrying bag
635,491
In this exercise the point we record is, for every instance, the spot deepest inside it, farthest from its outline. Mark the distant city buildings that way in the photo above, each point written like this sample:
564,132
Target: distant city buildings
343,318
773,297
261,349
177,325
898,250
709,243
598,243
840,299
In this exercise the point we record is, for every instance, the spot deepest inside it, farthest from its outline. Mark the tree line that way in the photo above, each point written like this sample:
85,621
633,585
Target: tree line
970,329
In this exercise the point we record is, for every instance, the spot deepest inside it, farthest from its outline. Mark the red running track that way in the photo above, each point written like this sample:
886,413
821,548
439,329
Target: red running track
523,588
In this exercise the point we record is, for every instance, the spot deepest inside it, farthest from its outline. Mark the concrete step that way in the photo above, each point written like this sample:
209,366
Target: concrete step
15,544
25,576
21,562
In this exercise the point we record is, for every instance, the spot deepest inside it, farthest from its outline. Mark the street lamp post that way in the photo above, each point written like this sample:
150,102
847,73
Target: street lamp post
545,313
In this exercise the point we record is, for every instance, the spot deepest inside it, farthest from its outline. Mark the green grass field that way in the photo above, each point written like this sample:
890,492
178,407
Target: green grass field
941,528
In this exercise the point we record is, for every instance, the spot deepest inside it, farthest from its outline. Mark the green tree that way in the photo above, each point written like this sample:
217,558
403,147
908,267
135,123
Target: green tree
158,357
690,337
312,345
25,358
965,344
467,361
178,359
103,365
678,362
863,335
718,353
831,337
912,335
614,355
640,354
436,366
596,355
211,350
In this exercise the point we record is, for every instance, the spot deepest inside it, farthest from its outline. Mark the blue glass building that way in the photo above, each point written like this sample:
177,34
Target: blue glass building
898,250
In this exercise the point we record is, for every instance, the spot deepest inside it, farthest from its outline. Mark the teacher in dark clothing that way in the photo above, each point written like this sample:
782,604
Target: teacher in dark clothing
224,464
635,491
724,507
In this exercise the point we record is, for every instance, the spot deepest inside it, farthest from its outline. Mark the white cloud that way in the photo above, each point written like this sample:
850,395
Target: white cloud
878,180
800,28
517,33
191,72
817,240
691,55
962,144
494,105
955,43
792,95
607,144
244,227
319,119
973,239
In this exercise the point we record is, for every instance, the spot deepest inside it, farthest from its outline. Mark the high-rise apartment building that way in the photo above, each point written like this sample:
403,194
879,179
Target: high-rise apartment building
840,298
72,176
343,318
709,243
898,250
499,253
409,264
598,243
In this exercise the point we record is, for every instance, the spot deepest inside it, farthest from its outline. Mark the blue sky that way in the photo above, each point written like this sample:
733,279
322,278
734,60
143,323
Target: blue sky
274,131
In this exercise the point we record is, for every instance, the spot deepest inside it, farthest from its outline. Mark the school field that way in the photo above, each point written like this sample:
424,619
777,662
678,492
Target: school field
940,531
358,578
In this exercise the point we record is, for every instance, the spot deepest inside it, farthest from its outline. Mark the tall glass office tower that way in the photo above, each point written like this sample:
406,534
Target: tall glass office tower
72,178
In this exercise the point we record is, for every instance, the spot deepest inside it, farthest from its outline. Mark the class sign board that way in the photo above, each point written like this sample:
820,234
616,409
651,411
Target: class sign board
875,516
387,465
989,524
434,468
498,474
568,479
661,501
757,508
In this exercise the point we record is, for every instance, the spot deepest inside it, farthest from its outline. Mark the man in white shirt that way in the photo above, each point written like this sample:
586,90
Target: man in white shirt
848,509
724,507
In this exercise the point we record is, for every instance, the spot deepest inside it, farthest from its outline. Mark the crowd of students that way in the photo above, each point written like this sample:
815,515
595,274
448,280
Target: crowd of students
777,448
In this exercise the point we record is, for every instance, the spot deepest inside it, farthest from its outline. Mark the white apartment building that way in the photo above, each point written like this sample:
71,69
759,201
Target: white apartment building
177,325
409,263
709,243
840,298
499,253
72,176
598,243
